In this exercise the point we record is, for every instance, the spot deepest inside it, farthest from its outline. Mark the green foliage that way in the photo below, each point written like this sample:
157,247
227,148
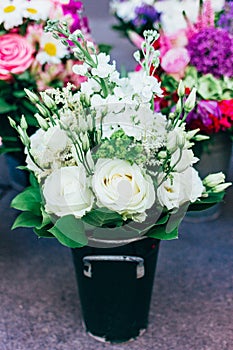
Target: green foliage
207,202
103,217
121,146
69,231
28,200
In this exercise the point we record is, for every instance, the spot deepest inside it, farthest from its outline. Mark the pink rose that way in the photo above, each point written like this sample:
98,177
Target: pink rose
16,55
175,61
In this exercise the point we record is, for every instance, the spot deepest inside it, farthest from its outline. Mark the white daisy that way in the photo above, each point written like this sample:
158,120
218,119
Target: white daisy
51,50
37,9
11,13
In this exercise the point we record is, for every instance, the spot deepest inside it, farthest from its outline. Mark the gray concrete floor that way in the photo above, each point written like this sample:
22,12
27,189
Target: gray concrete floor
192,301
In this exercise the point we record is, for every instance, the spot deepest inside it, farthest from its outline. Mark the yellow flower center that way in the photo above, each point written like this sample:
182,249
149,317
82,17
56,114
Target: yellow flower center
10,8
50,49
169,189
31,10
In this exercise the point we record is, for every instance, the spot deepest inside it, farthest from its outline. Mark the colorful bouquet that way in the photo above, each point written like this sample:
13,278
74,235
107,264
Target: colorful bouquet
135,16
204,59
105,168
31,58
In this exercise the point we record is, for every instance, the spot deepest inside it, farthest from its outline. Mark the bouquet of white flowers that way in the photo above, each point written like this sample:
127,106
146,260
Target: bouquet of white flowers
104,166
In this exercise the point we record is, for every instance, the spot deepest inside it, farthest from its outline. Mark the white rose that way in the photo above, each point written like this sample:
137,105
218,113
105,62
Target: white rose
122,187
181,188
66,192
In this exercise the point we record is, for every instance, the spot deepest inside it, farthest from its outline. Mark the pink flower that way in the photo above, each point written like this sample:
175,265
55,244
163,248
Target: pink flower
16,55
175,61
135,38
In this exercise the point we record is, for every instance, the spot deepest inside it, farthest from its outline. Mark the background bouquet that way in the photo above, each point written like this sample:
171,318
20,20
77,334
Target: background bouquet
31,58
135,16
104,166
203,57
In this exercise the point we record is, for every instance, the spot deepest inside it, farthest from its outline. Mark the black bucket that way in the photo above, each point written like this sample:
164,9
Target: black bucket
115,286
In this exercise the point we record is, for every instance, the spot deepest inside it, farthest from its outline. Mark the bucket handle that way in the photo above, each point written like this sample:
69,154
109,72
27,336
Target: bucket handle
140,269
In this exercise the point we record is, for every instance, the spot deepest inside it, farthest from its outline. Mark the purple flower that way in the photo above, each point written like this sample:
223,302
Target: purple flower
211,51
206,116
226,18
145,14
74,9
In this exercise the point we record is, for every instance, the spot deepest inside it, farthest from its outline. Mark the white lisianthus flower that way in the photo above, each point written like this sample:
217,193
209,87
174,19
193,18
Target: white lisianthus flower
46,146
66,192
180,188
176,138
37,9
122,187
11,13
182,159
103,69
51,50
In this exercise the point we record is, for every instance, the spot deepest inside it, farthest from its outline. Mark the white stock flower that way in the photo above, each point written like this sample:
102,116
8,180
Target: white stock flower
122,187
180,188
11,13
89,87
51,50
80,69
145,86
66,192
103,69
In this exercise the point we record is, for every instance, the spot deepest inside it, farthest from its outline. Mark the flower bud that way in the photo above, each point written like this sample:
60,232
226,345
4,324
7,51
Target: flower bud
201,137
181,89
221,187
213,180
41,121
179,106
23,123
43,110
12,123
48,101
191,133
32,96
191,100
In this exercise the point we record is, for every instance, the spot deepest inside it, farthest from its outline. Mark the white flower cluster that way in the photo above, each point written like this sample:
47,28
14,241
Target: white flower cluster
104,147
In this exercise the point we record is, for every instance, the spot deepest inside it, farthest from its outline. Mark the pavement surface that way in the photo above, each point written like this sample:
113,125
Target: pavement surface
192,300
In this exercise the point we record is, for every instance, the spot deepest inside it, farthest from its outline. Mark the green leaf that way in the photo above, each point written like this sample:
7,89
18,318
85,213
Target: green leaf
160,232
6,107
70,231
105,48
29,200
43,232
26,219
102,217
205,203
